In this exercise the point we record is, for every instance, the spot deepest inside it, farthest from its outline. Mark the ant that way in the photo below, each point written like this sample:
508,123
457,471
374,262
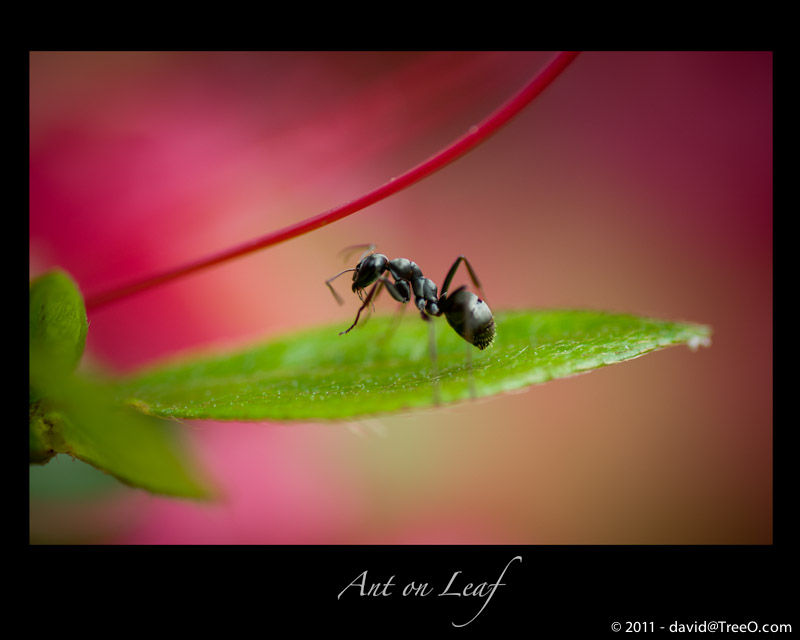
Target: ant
467,313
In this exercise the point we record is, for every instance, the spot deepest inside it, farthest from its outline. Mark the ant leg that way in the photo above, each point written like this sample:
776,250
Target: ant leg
399,289
396,318
333,291
434,364
472,393
449,278
372,293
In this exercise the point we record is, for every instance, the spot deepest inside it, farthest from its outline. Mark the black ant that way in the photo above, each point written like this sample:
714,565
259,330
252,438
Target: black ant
467,313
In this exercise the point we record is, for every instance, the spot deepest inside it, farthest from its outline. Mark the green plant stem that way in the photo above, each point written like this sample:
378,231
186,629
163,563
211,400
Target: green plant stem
456,149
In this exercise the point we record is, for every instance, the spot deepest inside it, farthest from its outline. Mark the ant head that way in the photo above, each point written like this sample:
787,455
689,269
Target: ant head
470,317
369,270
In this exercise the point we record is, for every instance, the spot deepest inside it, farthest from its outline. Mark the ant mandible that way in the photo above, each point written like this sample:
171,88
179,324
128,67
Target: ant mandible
467,313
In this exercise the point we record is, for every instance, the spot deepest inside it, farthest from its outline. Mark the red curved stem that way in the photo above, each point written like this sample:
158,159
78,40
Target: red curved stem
459,147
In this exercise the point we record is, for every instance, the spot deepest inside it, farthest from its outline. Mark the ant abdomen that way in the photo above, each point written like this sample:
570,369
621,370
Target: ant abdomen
470,317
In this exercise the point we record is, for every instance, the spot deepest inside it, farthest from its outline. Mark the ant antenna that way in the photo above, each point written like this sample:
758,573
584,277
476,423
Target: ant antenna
369,247
333,291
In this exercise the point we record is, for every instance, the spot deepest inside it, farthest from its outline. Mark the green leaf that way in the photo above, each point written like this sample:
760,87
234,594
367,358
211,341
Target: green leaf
85,420
58,324
82,418
381,367
56,339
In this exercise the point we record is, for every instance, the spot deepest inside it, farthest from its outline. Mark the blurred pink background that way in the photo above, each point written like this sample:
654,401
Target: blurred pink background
638,182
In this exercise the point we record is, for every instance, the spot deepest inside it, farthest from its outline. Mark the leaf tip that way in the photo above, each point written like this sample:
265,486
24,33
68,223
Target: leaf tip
695,342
